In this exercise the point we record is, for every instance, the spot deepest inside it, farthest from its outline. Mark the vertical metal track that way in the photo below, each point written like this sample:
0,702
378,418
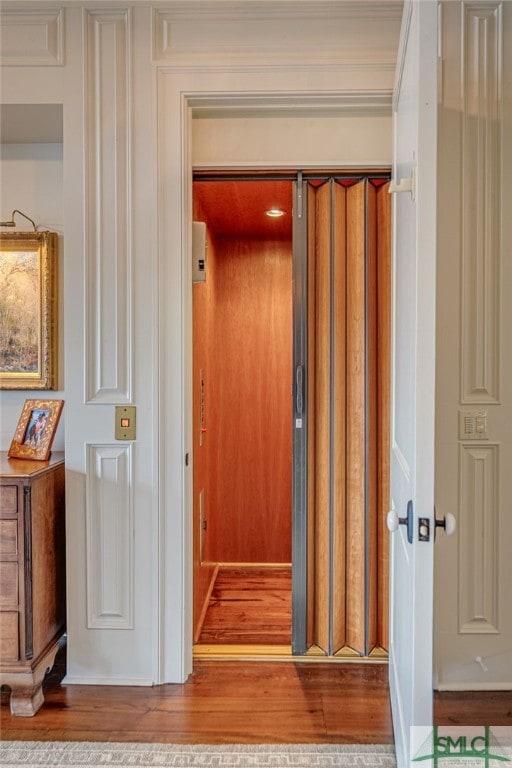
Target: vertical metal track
300,421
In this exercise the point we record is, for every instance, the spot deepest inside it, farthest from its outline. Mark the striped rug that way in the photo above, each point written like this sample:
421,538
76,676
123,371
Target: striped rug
59,754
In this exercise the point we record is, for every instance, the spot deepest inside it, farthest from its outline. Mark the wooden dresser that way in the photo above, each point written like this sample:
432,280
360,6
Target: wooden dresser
32,575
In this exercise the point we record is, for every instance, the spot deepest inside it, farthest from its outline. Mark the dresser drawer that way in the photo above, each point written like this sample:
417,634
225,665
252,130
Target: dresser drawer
8,584
8,537
9,636
8,499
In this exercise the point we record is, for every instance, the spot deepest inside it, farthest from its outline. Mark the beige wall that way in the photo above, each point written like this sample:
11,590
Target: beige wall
474,362
293,142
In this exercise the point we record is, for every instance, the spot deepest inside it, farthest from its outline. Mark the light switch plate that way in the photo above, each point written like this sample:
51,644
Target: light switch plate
125,422
473,425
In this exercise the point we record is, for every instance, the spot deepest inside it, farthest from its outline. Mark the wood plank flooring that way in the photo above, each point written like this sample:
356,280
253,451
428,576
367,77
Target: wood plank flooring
222,702
249,605
473,708
242,701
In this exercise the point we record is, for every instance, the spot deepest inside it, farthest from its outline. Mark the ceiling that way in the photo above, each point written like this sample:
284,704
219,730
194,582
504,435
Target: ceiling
236,208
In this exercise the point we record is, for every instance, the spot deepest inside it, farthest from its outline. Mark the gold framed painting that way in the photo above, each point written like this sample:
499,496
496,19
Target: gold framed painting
36,429
28,310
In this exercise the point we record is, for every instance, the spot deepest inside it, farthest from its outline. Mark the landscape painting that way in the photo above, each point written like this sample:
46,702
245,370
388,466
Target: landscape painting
28,322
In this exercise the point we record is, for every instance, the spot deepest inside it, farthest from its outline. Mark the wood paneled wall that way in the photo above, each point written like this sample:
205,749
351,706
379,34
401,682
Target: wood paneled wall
203,571
349,281
247,402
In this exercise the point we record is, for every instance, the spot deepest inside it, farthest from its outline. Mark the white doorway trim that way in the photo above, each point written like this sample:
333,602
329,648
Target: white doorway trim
179,95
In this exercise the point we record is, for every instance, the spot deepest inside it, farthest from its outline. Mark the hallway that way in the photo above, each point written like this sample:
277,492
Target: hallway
222,702
241,702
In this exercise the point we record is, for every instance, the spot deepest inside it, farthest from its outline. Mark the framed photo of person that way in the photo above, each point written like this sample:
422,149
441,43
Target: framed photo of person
36,429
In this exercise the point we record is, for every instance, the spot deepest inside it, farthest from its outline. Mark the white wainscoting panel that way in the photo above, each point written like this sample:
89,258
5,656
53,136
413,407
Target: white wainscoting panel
32,38
108,304
482,132
351,34
478,542
109,526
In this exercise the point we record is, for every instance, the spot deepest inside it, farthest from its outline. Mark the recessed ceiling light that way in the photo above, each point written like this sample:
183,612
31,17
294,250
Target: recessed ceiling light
274,213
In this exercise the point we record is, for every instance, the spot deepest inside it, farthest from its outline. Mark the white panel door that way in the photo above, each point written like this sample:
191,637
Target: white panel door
413,373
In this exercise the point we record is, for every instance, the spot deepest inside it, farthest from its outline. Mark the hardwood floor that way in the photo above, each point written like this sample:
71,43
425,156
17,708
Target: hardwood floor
241,701
473,708
222,702
249,605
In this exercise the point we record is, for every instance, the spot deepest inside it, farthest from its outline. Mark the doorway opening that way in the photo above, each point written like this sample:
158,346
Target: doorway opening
290,413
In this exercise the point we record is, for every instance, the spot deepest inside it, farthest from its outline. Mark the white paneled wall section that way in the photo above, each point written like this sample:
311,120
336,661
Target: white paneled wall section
482,156
109,526
109,241
34,38
473,478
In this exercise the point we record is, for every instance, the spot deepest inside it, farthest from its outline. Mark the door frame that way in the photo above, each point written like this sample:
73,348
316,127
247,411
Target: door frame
179,94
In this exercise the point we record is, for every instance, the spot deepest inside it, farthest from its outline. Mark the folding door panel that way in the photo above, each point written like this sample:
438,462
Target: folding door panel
338,396
348,367
378,334
355,488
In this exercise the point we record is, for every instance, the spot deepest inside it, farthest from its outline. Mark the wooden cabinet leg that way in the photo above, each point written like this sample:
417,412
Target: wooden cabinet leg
26,700
27,685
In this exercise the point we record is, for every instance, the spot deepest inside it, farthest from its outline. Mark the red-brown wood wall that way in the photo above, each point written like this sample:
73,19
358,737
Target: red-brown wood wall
203,571
249,403
243,351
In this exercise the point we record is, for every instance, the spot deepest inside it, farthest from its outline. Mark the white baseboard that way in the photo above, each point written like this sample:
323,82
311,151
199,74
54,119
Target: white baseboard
74,680
474,686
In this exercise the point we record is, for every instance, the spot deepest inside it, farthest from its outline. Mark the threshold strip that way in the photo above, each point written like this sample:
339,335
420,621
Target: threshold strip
253,652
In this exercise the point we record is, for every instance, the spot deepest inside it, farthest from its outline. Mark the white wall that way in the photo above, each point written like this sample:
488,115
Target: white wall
118,188
122,75
31,181
297,141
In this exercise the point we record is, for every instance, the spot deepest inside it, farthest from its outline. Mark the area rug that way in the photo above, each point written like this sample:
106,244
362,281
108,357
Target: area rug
69,754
